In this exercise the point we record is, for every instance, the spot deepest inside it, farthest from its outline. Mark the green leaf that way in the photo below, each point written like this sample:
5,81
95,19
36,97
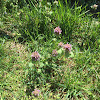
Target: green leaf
41,64
46,63
60,51
71,54
39,71
30,64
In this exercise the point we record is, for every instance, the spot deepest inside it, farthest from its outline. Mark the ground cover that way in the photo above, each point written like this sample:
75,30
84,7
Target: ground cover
49,52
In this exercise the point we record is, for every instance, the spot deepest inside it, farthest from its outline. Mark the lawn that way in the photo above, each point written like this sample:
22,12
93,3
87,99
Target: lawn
49,51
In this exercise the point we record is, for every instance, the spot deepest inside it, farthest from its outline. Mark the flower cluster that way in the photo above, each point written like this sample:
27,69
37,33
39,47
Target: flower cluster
94,6
36,92
54,52
57,30
60,44
67,47
35,56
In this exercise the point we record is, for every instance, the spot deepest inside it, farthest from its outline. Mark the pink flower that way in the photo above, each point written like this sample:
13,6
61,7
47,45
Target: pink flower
67,47
36,92
54,52
95,6
57,30
35,56
61,44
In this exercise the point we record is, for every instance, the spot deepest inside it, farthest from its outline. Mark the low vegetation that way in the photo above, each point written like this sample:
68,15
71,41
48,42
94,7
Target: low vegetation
48,51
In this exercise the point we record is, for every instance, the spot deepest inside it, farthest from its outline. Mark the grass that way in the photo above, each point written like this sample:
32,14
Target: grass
30,28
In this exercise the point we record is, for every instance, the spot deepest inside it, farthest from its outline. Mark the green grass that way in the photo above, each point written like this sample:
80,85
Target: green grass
29,28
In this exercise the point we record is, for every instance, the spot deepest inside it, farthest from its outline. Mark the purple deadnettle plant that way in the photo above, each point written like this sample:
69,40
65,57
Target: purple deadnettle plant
57,30
54,52
35,56
67,47
60,44
36,92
